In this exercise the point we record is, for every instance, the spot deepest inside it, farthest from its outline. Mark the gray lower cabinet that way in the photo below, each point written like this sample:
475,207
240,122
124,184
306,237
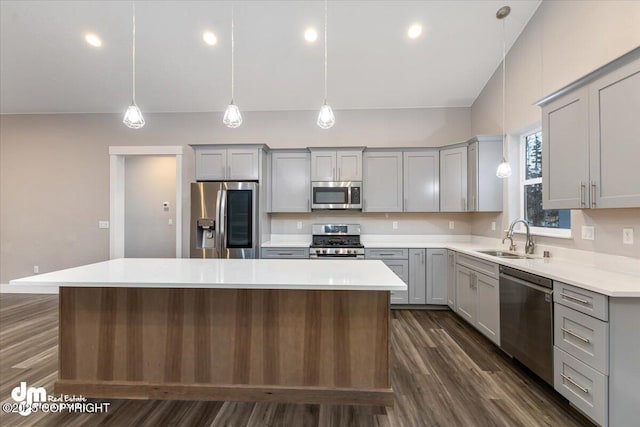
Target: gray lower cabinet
451,280
417,276
421,181
290,181
453,179
284,253
596,354
401,268
478,295
437,276
382,181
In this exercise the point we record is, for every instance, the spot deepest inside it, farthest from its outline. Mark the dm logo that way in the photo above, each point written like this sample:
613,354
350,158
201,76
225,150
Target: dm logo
27,397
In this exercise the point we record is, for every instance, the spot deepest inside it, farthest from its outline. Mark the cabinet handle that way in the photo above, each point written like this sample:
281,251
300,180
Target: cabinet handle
575,335
333,172
593,194
581,301
584,390
405,203
285,253
339,175
422,256
229,171
387,255
464,204
582,203
364,204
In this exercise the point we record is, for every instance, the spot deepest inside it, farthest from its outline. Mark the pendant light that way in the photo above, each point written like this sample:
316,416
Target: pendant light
504,169
325,117
232,117
133,116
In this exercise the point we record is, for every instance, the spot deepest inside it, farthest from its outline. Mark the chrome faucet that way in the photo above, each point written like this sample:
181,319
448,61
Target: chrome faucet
529,245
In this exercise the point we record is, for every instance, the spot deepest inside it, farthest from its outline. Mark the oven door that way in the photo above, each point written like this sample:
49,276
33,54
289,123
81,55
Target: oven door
333,195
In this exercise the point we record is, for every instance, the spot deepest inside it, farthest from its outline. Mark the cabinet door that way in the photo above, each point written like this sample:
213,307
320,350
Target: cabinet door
615,146
453,179
323,165
565,152
211,164
421,181
243,164
382,181
472,178
488,309
417,276
349,165
451,281
466,294
290,182
437,269
401,268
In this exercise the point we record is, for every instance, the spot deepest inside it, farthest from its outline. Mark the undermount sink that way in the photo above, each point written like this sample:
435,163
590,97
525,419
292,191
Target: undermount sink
504,254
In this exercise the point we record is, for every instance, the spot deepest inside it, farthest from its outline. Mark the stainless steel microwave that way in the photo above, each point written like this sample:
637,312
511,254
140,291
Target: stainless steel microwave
336,195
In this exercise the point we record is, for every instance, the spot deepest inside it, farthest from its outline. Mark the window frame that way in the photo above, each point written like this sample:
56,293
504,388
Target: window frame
560,233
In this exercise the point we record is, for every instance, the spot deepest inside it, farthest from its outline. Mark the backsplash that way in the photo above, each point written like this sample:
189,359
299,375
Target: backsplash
374,223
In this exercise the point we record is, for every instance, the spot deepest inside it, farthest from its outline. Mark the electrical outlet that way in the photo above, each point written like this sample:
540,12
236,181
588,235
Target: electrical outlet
588,232
493,226
299,225
36,269
452,225
394,225
103,224
627,236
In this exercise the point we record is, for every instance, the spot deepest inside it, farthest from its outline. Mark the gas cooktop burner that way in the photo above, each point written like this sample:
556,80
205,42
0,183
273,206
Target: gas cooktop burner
336,241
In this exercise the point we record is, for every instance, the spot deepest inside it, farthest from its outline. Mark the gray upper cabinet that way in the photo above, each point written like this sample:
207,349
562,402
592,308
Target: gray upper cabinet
421,181
336,165
484,187
437,274
290,181
382,181
590,139
453,179
220,163
615,138
565,152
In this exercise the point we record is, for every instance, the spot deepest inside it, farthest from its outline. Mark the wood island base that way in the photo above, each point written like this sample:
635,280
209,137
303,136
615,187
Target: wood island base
294,346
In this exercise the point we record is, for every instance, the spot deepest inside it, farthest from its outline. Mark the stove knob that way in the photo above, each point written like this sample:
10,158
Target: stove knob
324,251
348,251
317,251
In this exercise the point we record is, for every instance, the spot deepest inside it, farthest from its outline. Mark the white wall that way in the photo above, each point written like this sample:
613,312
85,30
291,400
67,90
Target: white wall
54,169
149,182
563,41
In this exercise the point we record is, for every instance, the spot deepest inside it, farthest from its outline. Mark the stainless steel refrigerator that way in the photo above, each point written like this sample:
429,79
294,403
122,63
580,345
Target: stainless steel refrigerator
224,220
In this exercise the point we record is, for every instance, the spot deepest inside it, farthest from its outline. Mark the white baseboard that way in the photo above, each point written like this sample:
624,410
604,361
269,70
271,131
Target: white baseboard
6,288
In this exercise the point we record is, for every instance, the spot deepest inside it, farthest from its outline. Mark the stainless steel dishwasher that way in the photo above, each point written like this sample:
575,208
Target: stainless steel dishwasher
526,320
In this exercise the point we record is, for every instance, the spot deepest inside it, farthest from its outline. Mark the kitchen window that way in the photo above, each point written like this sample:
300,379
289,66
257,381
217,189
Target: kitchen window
544,222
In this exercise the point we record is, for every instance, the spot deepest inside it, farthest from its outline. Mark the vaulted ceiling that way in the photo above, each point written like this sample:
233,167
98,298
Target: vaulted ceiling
47,67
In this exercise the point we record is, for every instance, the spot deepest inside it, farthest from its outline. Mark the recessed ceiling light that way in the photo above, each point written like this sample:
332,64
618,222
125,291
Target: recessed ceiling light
414,31
209,38
93,40
311,35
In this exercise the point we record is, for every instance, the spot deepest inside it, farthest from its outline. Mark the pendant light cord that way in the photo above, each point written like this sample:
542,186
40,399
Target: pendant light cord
133,53
325,51
504,78
232,53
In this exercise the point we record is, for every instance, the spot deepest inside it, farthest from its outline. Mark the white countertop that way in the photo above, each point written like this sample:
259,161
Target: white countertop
599,278
226,273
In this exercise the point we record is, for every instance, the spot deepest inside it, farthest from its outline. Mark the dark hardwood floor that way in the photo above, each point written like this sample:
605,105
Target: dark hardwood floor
444,373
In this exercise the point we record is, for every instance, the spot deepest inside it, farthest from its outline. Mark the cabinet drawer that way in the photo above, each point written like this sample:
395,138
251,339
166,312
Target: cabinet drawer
591,303
386,253
586,388
584,337
296,253
481,266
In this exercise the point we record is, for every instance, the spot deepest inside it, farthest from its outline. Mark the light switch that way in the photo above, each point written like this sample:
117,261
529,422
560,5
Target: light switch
588,232
627,236
170,221
103,224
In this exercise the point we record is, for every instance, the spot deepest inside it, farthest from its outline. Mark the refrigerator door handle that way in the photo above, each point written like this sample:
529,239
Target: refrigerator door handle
222,223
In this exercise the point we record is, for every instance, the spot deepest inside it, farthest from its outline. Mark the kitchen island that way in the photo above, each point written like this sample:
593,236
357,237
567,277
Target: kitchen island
295,331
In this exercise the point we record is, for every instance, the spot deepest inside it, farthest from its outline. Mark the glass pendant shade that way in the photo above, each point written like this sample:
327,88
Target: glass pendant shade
133,117
232,117
504,169
326,118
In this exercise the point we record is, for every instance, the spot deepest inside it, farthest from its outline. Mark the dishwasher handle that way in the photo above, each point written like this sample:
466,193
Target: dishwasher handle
525,283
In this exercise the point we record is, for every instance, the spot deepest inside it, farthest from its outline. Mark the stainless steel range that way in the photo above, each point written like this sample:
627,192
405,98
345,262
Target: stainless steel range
336,241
